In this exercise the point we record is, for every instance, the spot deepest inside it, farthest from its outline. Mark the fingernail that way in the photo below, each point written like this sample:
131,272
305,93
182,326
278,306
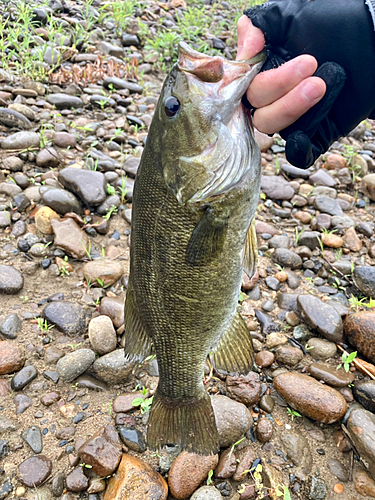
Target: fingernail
311,92
304,67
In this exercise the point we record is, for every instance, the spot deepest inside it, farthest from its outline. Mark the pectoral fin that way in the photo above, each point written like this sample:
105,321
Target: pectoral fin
234,353
250,252
207,239
137,341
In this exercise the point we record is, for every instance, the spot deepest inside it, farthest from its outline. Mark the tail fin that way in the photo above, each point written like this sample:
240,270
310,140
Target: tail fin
190,424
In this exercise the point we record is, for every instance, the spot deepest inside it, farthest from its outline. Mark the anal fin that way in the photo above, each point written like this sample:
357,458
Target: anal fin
234,353
138,344
250,252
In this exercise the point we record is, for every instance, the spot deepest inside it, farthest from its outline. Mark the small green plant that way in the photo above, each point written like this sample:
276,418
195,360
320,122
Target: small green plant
74,346
242,297
277,166
298,235
293,413
346,360
234,445
143,402
111,211
87,466
43,325
209,477
110,190
122,189
87,250
338,254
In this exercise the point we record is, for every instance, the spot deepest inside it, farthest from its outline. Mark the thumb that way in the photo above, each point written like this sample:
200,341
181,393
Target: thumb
250,39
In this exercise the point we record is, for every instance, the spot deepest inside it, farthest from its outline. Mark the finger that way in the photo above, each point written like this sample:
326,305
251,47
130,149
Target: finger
285,111
271,85
250,39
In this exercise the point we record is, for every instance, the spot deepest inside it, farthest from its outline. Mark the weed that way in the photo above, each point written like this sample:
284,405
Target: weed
346,360
209,477
74,346
87,250
122,189
43,325
87,466
234,445
110,190
143,402
298,235
111,211
338,254
277,166
293,413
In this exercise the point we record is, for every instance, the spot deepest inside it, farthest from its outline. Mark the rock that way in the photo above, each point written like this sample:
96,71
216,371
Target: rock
88,185
289,355
264,430
68,317
276,188
343,222
364,279
352,241
23,377
310,239
245,459
364,484
21,140
364,393
11,358
311,398
206,493
367,186
332,240
233,420
321,348
112,368
13,163
50,398
34,471
338,470
11,280
104,271
361,427
227,464
33,437
264,359
90,382
74,364
187,473
10,326
317,488
76,480
331,375
297,450
102,451
64,140
43,219
114,308
65,101
275,339
244,388
322,178
287,258
334,162
48,158
328,205
22,403
14,118
359,329
8,425
136,480
60,200
5,389
264,141
132,438
102,335
70,238
321,316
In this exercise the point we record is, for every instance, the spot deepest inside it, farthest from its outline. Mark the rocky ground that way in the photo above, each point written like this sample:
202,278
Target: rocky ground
78,86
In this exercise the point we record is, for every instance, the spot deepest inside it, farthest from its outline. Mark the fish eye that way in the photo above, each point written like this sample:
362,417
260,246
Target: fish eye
172,106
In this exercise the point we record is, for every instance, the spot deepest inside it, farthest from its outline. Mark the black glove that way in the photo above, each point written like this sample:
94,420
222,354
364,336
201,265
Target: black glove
340,35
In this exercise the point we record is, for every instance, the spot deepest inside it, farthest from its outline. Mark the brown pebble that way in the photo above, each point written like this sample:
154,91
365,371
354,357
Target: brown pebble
244,388
76,480
11,358
364,484
227,464
264,430
50,398
338,488
264,359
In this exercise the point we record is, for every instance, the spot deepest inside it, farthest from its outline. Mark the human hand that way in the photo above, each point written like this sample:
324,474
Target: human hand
281,95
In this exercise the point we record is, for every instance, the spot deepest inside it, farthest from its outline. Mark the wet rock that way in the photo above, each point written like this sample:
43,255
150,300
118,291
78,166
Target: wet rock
244,388
33,437
364,279
311,398
136,480
264,359
187,473
233,420
364,484
359,329
361,427
88,185
21,140
70,238
297,449
112,368
264,430
287,258
10,326
65,101
11,280
338,469
132,438
102,335
289,355
76,480
22,403
60,200
34,471
74,364
226,466
23,377
102,451
11,358
276,188
364,393
267,403
331,375
43,219
321,316
321,348
50,398
104,271
68,317
245,459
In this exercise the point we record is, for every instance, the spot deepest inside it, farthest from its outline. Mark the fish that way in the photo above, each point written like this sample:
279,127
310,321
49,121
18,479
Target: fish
192,235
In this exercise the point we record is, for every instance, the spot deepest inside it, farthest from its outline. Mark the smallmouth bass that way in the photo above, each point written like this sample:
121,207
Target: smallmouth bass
194,200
